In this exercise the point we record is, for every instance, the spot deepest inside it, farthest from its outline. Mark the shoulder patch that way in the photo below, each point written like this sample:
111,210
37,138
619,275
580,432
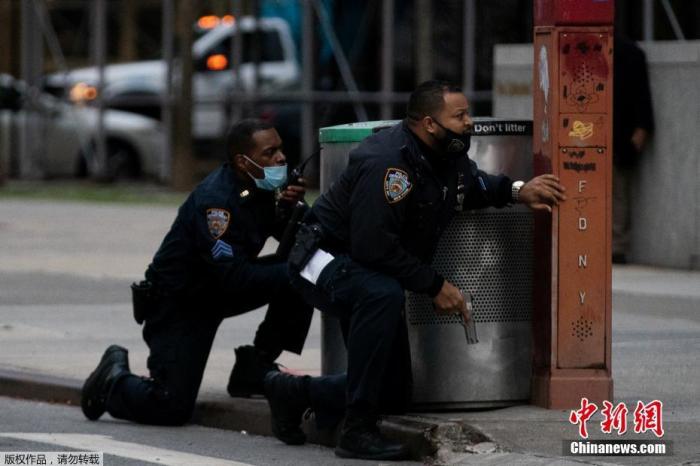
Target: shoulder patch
396,185
218,221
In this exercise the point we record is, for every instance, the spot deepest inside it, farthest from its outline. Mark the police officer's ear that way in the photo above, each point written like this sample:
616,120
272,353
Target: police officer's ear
428,124
239,161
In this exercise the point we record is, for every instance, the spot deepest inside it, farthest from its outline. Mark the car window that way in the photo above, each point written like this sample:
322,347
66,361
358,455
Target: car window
268,42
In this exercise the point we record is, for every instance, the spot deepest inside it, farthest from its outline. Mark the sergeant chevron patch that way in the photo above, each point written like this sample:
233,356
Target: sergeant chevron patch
221,249
396,185
217,221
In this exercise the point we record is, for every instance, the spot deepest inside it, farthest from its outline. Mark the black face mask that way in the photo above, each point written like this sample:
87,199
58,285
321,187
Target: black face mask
453,145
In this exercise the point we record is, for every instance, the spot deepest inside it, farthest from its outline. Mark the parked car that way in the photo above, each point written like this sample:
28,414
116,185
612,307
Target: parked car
139,86
134,143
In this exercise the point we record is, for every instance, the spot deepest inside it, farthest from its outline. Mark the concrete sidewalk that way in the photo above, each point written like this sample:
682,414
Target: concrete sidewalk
64,275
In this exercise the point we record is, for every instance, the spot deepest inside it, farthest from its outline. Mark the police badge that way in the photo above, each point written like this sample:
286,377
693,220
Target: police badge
396,185
459,205
217,221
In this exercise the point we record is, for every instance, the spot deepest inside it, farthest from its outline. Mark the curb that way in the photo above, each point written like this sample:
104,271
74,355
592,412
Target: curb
34,386
428,438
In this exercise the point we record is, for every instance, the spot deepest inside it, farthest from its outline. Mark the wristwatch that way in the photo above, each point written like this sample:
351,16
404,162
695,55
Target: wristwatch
515,190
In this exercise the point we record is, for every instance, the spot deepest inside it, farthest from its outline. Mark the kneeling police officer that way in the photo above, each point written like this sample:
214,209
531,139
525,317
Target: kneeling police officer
205,270
370,238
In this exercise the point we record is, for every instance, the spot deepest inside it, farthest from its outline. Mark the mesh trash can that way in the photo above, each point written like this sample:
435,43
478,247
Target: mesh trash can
488,252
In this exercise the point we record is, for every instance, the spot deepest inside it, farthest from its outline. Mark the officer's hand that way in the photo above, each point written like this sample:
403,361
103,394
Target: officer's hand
449,300
294,193
542,192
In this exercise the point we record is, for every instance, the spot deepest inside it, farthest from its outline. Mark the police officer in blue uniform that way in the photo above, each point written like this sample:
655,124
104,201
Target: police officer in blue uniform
370,238
206,269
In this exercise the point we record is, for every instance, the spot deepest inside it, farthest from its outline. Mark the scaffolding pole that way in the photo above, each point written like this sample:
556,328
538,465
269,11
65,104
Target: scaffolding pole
387,56
648,13
469,47
424,40
183,163
32,63
307,76
167,97
99,52
235,108
673,20
340,58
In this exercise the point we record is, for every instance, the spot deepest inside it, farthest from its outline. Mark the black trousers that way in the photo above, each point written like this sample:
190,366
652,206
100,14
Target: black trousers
180,332
370,306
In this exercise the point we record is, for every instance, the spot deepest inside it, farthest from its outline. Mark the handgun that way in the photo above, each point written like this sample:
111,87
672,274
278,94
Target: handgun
469,325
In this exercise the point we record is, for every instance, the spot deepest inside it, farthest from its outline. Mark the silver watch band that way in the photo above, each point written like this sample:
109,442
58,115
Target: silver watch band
515,190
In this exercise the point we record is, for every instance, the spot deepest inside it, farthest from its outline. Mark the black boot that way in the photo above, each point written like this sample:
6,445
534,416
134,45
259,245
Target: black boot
360,438
251,365
113,365
288,396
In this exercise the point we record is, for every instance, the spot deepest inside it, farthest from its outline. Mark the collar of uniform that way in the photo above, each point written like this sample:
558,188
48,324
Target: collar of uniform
424,153
244,192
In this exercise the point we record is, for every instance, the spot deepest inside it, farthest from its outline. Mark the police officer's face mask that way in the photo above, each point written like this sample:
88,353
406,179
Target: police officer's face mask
274,177
453,145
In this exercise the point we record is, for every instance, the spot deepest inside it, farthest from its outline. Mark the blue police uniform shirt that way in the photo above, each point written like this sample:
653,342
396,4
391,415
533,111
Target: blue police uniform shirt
219,230
390,205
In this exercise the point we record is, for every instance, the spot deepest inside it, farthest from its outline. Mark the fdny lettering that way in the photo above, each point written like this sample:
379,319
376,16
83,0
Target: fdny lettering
396,185
217,221
583,261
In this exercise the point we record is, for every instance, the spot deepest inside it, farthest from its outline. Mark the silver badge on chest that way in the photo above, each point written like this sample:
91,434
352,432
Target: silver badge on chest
459,205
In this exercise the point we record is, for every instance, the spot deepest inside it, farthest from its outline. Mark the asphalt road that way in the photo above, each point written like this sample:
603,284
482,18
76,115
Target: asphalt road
42,427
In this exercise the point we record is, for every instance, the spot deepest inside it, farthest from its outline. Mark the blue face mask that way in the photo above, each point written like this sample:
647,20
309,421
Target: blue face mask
275,177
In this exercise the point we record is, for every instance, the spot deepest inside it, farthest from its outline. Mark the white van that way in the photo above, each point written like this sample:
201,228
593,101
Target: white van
138,86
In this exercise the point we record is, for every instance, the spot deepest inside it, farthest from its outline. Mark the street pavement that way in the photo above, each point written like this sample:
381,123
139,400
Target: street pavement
65,269
42,427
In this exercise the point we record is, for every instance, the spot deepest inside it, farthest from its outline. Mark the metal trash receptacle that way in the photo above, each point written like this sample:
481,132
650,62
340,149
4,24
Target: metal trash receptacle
488,252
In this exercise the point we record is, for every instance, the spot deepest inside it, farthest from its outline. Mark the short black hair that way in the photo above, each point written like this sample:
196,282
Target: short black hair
239,139
428,98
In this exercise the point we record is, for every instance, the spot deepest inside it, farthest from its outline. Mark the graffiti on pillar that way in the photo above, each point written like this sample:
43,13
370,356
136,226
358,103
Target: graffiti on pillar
585,70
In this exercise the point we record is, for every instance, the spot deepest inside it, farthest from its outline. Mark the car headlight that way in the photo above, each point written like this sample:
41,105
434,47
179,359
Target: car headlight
82,92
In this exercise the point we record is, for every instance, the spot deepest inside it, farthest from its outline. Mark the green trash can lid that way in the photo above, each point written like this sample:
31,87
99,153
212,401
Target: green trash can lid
352,132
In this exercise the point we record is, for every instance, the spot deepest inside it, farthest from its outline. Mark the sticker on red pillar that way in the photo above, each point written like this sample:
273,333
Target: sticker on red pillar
581,130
